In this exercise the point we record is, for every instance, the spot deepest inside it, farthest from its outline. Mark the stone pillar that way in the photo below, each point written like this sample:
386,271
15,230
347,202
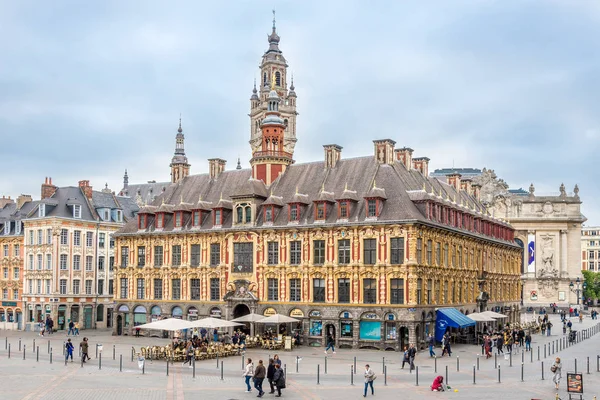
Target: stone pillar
563,270
412,335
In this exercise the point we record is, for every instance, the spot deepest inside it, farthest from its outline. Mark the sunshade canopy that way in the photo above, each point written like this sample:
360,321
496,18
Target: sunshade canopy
450,317
211,323
478,317
494,314
249,318
169,324
277,319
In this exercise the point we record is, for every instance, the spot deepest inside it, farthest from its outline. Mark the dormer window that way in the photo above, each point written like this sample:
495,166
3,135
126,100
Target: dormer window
269,214
160,221
196,218
7,228
42,210
294,212
119,216
371,208
18,227
320,212
77,211
178,219
243,213
218,217
343,209
106,215
142,221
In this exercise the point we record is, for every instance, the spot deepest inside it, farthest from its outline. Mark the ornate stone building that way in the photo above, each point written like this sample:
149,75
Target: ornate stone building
590,248
68,255
365,248
548,228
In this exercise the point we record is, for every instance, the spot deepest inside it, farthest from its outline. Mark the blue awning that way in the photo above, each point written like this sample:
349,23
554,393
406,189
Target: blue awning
450,318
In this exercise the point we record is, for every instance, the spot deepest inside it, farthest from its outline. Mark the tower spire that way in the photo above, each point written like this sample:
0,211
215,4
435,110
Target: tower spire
180,168
179,130
273,20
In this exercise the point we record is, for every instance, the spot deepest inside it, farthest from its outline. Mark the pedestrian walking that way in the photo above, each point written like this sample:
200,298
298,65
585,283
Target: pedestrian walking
528,341
69,350
216,335
277,360
556,368
499,344
259,376
76,329
279,379
549,328
189,354
71,328
405,357
431,343
330,343
271,375
248,374
412,353
543,327
369,378
84,346
580,317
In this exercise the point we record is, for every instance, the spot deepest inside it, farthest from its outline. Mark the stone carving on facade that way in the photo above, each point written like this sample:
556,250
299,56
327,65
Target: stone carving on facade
548,267
241,289
491,186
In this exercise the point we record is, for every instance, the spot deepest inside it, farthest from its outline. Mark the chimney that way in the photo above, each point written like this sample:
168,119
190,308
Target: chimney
86,188
333,154
467,185
5,200
23,199
453,179
476,191
422,165
384,151
48,189
404,155
215,167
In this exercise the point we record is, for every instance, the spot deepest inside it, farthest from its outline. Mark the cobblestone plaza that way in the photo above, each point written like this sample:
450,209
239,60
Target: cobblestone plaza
72,381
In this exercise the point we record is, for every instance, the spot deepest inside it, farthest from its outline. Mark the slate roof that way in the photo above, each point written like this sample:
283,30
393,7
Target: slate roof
145,193
401,189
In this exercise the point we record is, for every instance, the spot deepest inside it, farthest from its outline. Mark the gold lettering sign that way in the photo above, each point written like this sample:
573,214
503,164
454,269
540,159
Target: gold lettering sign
269,311
296,312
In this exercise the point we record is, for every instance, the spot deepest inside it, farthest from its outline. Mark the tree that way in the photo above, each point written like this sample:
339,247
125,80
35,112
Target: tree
592,279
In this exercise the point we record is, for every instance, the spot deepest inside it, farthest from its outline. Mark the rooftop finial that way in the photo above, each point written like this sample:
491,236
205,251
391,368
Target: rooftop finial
179,130
273,19
239,164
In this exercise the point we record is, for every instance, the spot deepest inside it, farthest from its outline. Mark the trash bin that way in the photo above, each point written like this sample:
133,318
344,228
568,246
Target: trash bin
141,361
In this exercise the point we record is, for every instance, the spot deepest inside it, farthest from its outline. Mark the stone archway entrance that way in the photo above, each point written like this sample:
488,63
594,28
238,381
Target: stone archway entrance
240,310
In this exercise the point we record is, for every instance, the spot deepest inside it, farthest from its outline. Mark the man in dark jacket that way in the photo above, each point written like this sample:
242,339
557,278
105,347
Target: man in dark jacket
412,353
271,374
259,376
279,379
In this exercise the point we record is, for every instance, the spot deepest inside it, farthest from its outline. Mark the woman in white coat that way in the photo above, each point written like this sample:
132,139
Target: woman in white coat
248,374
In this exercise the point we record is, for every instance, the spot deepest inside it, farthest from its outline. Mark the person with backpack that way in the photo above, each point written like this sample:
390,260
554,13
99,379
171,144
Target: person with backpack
369,378
279,379
69,350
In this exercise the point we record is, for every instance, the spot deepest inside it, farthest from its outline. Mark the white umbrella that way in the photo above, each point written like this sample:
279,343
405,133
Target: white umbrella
169,324
478,317
249,318
277,319
493,314
211,323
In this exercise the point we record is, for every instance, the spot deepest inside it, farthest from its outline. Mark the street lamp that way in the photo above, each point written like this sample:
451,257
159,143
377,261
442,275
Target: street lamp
577,290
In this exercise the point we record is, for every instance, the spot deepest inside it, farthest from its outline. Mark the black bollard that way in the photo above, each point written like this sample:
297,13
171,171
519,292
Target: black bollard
588,365
217,360
522,357
542,370
221,370
48,346
96,350
383,362
121,363
352,375
446,374
6,343
9,350
100,361
65,361
385,376
544,351
531,354
132,354
417,375
522,371
538,353
318,374
19,344
325,365
510,357
114,352
81,363
495,360
457,364
499,374
285,370
37,354
33,348
167,367
50,355
355,364
477,363
143,366
474,373
24,351
194,367
297,363
435,364
575,365
243,364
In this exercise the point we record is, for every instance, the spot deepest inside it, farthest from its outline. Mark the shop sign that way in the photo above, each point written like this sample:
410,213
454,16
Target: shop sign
9,303
296,312
346,321
533,295
370,316
314,313
269,311
574,383
214,312
390,317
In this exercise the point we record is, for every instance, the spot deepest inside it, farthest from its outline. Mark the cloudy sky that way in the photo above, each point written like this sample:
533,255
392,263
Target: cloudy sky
88,89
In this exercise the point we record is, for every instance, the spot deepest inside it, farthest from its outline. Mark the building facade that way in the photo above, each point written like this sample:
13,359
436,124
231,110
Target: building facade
548,228
69,255
590,248
11,260
364,248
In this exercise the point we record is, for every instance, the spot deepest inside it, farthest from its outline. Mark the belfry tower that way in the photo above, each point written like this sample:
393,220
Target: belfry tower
273,68
180,168
271,158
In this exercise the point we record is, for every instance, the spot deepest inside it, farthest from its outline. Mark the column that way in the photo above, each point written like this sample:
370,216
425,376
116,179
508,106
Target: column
563,254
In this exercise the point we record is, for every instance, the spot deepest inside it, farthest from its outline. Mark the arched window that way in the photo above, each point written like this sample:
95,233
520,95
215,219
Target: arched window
240,215
264,78
248,214
278,78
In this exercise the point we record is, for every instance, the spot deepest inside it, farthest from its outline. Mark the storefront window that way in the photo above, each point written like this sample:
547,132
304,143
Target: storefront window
316,328
139,315
390,331
370,330
346,328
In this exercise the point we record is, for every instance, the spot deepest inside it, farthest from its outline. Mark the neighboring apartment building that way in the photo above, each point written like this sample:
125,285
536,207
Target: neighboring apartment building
590,248
69,255
11,260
